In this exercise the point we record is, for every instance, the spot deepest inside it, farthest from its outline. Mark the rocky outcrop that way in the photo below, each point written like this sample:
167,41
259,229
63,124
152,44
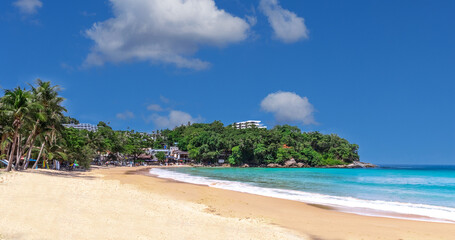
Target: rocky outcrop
290,163
355,164
293,164
302,165
359,164
273,165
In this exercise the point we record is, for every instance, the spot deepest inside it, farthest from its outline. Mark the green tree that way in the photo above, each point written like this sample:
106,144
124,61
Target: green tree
17,104
50,116
161,156
236,156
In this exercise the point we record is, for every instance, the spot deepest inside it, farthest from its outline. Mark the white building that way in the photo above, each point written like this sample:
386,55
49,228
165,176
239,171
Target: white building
85,126
248,124
155,151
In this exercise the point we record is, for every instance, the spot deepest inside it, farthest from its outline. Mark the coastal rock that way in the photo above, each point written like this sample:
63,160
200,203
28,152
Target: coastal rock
273,165
359,164
290,163
355,164
245,165
301,165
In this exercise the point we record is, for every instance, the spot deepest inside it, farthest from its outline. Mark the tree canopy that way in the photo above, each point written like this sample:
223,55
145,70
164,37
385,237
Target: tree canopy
31,127
209,142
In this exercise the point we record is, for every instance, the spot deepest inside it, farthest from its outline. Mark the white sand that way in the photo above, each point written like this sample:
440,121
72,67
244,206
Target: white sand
83,206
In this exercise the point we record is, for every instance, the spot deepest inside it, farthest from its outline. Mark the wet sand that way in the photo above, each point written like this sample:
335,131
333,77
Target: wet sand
128,203
61,205
317,222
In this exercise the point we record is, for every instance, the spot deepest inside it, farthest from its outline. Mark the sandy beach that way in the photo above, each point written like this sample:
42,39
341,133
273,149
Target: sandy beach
127,203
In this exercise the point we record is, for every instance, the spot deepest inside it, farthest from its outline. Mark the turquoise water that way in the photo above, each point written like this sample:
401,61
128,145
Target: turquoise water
423,190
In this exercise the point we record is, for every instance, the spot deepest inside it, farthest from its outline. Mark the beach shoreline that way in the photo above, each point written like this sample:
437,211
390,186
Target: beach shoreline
347,204
307,219
47,204
87,205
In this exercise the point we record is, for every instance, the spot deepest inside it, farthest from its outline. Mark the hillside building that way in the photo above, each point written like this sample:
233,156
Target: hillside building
248,124
82,126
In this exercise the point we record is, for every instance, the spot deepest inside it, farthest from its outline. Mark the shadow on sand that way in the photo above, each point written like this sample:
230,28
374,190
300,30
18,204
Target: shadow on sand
64,174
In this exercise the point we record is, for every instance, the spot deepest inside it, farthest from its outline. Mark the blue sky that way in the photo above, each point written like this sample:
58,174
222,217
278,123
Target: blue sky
379,73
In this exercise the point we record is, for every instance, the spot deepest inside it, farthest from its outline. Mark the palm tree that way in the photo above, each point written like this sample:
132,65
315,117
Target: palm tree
43,141
5,132
50,119
52,150
15,104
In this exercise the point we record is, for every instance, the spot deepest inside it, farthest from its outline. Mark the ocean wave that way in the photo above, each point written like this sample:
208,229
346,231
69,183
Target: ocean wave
436,213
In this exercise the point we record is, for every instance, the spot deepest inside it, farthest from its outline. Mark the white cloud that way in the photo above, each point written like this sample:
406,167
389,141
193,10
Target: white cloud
174,119
160,31
28,6
289,107
125,115
288,27
154,107
252,20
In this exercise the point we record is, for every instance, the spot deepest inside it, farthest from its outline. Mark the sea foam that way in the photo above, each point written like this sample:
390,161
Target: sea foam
406,210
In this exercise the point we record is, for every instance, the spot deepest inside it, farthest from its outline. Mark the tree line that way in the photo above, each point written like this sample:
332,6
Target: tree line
207,143
32,131
31,128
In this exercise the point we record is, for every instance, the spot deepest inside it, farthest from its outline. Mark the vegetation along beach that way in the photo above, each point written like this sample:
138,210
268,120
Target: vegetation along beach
274,167
226,120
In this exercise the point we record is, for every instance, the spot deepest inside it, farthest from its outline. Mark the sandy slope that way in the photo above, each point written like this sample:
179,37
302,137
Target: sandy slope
48,205
315,222
125,203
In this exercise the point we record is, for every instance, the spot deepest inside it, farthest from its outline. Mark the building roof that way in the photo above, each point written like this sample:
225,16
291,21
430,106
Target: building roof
180,152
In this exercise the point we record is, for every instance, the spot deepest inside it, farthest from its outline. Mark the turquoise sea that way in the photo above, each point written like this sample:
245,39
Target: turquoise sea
419,192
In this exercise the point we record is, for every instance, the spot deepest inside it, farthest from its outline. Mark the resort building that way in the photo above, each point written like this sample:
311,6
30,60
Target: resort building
176,155
172,154
82,126
248,124
151,151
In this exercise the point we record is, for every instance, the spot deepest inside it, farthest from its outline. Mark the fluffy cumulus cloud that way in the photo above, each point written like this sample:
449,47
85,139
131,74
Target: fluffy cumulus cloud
125,115
28,6
169,31
174,119
289,107
287,26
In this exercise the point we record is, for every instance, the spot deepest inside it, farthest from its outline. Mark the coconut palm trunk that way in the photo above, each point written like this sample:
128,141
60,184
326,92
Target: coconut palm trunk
18,152
26,147
13,147
27,160
39,155
8,149
30,142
